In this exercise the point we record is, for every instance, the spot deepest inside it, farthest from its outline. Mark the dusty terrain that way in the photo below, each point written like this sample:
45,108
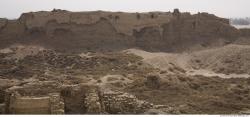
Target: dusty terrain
123,63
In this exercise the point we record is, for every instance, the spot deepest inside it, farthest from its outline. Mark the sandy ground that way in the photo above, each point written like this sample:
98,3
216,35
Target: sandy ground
164,61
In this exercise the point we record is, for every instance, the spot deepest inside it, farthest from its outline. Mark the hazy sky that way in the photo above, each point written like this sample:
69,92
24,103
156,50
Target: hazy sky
223,8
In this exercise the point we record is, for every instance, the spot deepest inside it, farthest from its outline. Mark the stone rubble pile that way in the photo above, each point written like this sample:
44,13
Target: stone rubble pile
116,102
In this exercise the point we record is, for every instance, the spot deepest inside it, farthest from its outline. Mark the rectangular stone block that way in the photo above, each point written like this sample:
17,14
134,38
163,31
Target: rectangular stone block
39,105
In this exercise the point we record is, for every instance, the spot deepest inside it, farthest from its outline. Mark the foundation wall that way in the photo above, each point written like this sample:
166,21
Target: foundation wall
51,104
30,105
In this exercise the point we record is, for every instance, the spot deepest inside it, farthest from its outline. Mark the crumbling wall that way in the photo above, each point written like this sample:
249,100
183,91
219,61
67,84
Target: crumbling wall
93,102
123,22
10,32
17,104
74,98
56,104
202,30
149,39
187,32
29,105
114,31
116,102
100,36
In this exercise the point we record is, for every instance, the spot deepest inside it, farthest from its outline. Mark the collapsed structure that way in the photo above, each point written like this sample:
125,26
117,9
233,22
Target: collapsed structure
78,99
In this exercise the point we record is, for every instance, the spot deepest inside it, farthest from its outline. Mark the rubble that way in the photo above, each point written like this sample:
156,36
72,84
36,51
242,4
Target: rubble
56,104
93,102
116,102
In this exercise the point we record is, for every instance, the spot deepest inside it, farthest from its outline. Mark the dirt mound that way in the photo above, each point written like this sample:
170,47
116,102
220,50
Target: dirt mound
228,59
171,63
226,62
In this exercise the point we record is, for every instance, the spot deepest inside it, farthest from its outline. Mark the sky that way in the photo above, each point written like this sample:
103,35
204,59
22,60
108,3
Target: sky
224,8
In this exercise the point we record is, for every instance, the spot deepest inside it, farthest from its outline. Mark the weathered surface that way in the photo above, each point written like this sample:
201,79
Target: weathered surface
17,104
56,104
153,81
74,99
73,54
199,30
108,31
123,22
27,105
116,102
93,102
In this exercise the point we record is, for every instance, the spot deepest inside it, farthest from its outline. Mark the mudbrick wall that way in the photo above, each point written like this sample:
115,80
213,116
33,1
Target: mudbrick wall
108,31
98,101
16,104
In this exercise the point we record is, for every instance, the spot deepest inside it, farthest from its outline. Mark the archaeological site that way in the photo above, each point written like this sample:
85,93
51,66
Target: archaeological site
100,62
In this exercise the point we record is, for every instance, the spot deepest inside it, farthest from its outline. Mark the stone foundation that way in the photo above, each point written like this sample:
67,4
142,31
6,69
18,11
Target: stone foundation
123,103
16,104
93,103
56,104
77,100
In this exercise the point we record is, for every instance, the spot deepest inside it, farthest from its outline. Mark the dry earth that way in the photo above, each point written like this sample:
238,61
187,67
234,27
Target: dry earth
123,63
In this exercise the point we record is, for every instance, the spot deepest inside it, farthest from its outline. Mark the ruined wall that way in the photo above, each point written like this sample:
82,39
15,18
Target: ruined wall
93,102
28,105
11,31
91,99
200,29
150,39
123,22
99,36
114,31
56,104
17,104
116,102
186,31
78,99
74,98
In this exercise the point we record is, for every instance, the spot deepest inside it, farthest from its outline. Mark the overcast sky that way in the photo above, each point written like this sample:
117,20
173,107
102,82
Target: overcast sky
223,8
